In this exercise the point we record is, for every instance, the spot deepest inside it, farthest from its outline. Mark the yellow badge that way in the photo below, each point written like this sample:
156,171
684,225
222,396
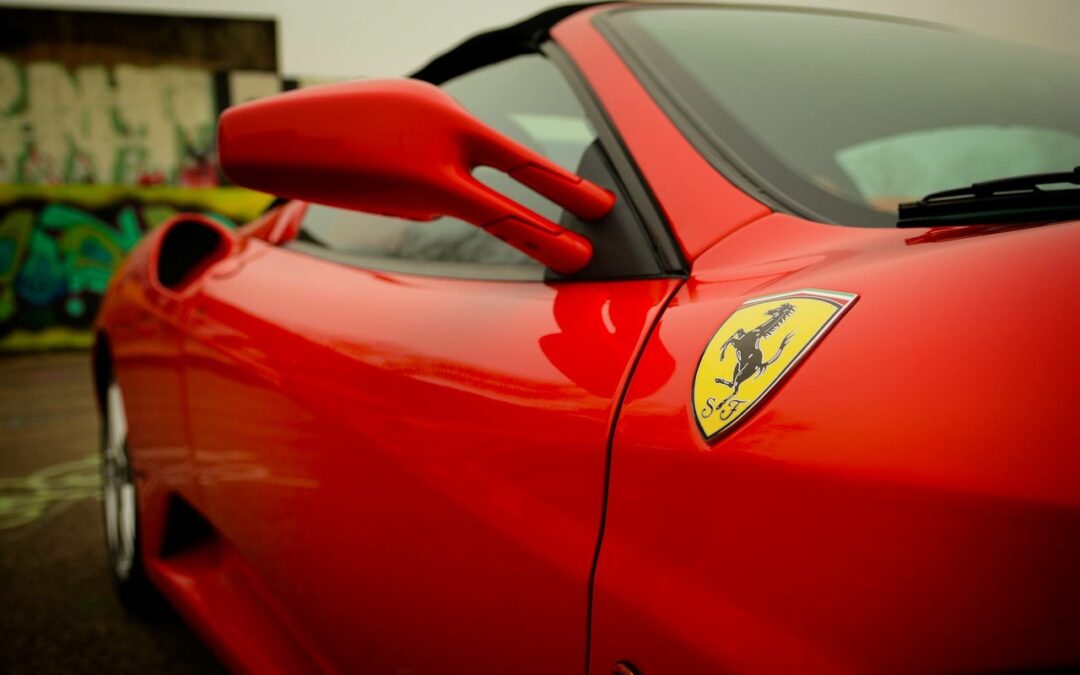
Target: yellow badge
755,348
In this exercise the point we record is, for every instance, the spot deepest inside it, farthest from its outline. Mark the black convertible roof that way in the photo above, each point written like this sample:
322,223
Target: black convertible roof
497,45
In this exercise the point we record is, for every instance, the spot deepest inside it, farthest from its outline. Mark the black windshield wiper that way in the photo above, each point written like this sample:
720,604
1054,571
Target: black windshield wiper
1013,199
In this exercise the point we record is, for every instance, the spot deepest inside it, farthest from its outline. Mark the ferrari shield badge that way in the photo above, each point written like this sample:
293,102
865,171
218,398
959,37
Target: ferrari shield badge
755,348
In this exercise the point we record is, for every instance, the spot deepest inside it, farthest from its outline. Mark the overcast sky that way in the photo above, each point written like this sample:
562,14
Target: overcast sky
345,38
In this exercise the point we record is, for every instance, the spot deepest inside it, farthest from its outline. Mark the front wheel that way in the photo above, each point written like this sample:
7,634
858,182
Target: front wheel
121,508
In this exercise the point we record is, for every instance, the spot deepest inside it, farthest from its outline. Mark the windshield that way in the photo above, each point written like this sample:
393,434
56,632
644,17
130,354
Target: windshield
847,116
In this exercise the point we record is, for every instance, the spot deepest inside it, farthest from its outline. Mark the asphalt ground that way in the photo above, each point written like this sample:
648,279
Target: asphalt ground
58,611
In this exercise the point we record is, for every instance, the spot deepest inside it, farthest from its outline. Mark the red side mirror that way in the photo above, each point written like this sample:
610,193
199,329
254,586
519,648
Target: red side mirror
403,148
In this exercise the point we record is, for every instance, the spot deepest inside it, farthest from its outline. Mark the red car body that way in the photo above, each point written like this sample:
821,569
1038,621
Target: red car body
404,474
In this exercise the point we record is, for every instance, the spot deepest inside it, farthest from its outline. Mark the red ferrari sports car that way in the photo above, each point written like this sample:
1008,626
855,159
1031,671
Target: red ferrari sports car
634,338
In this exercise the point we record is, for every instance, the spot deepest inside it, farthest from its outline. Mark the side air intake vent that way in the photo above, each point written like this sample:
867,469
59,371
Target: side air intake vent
189,247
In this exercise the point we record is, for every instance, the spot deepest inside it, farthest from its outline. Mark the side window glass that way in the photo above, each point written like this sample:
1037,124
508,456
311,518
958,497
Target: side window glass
525,98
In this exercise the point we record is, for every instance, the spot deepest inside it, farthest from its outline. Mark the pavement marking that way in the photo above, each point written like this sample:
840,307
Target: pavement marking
25,500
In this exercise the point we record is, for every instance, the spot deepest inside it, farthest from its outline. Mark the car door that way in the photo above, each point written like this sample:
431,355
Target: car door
144,350
403,428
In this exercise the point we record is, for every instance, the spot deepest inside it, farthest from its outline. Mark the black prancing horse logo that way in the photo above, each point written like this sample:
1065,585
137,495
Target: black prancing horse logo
749,360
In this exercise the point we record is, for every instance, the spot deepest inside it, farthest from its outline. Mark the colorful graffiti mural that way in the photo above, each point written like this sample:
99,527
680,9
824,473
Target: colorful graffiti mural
119,125
122,125
59,245
108,127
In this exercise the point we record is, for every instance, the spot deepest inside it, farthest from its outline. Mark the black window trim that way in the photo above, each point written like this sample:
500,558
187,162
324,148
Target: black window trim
642,199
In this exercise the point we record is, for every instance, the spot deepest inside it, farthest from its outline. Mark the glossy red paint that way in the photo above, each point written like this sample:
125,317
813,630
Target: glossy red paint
404,148
313,406
907,501
394,488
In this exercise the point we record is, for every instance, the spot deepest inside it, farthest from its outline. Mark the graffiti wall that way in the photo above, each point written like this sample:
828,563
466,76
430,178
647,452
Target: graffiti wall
59,245
95,153
107,128
120,125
